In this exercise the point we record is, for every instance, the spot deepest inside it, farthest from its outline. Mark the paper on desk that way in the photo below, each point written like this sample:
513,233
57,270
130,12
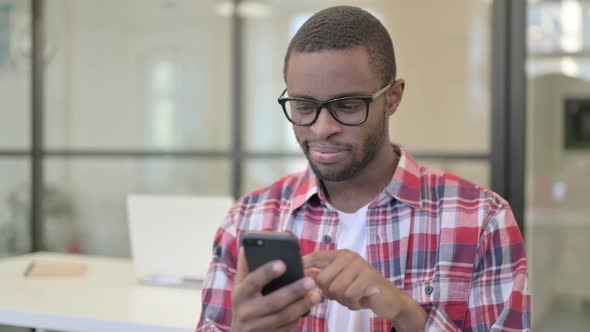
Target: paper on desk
55,269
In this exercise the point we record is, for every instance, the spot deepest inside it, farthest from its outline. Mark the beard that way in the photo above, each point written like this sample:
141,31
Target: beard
368,150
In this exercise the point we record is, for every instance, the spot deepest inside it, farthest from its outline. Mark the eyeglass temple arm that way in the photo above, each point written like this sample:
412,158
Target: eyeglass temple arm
385,88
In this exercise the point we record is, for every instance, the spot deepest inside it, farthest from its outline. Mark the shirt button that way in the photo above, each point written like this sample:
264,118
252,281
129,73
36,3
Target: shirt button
429,289
326,239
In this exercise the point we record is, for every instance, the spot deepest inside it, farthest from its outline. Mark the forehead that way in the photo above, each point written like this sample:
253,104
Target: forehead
324,74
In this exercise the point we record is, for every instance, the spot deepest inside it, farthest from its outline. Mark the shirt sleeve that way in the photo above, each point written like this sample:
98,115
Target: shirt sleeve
499,299
216,312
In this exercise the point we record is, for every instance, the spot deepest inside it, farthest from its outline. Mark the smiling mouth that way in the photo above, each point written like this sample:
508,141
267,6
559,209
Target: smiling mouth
327,154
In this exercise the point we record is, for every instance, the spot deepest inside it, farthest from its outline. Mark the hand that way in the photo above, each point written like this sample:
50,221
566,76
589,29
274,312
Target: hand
346,277
277,311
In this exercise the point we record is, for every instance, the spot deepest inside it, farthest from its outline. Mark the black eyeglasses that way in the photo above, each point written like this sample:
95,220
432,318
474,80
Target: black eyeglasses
349,111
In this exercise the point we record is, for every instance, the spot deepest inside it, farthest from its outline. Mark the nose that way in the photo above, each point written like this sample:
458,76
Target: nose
325,125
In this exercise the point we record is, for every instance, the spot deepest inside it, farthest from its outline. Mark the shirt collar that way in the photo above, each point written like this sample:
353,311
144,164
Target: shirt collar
306,188
405,185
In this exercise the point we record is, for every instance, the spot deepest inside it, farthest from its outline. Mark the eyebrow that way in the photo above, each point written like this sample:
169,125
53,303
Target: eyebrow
341,95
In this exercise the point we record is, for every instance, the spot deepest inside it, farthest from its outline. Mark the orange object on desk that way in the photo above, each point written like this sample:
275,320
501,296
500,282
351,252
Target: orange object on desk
55,269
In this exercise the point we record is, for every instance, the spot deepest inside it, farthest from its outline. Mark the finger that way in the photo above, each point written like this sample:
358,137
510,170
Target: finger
357,294
253,283
242,269
311,272
336,289
289,315
319,259
372,298
281,298
327,276
287,328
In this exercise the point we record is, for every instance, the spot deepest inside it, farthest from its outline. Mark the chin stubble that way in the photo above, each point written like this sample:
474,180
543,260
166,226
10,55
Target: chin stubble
370,147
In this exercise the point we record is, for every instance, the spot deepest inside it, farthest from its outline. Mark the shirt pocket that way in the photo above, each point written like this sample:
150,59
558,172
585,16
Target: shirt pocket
449,294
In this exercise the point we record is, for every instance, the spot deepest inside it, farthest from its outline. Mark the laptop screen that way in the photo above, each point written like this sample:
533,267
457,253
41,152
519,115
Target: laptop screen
172,236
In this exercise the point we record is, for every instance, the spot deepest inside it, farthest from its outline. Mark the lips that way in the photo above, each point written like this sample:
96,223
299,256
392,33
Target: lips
327,154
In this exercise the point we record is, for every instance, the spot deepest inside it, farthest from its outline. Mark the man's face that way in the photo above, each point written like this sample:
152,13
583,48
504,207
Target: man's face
338,152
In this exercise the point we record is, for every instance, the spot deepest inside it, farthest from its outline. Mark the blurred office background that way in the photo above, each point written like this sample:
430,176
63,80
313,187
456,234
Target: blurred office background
100,99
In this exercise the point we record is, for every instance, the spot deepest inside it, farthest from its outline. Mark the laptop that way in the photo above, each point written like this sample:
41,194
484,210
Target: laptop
172,237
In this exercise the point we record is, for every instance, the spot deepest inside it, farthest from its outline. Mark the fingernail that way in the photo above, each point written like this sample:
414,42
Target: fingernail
308,284
277,267
315,298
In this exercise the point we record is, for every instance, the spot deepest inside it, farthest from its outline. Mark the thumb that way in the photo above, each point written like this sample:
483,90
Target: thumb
242,269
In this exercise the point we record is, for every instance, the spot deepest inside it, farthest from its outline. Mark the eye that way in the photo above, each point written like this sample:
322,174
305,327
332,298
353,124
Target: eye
302,107
350,105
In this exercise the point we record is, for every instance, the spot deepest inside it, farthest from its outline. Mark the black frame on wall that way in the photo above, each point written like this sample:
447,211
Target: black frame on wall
507,156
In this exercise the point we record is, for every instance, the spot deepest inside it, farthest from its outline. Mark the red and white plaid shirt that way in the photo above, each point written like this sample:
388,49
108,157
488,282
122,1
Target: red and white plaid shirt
453,246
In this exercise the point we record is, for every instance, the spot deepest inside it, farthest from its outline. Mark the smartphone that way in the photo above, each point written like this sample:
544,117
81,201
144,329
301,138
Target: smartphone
262,247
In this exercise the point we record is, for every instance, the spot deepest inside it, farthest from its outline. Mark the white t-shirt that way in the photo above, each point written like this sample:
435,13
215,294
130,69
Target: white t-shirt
352,235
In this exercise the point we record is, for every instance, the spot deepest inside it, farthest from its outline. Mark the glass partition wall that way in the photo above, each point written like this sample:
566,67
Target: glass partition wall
179,97
137,100
15,121
557,219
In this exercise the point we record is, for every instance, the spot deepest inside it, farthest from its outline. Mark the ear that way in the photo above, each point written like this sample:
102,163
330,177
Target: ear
394,96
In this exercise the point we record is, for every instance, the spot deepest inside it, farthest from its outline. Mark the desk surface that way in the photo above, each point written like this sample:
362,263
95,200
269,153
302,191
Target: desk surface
107,298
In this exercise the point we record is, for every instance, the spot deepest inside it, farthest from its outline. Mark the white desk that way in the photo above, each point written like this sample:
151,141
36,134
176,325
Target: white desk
108,298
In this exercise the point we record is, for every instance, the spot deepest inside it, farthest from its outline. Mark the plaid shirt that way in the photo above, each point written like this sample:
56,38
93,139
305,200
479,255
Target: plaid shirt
453,246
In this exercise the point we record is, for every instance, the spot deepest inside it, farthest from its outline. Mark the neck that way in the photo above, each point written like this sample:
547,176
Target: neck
358,191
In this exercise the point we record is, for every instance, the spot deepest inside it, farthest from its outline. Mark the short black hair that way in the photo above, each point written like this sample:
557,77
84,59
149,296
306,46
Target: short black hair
346,27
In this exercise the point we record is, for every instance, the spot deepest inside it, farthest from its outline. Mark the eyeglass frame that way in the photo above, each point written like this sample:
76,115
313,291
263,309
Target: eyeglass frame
328,105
